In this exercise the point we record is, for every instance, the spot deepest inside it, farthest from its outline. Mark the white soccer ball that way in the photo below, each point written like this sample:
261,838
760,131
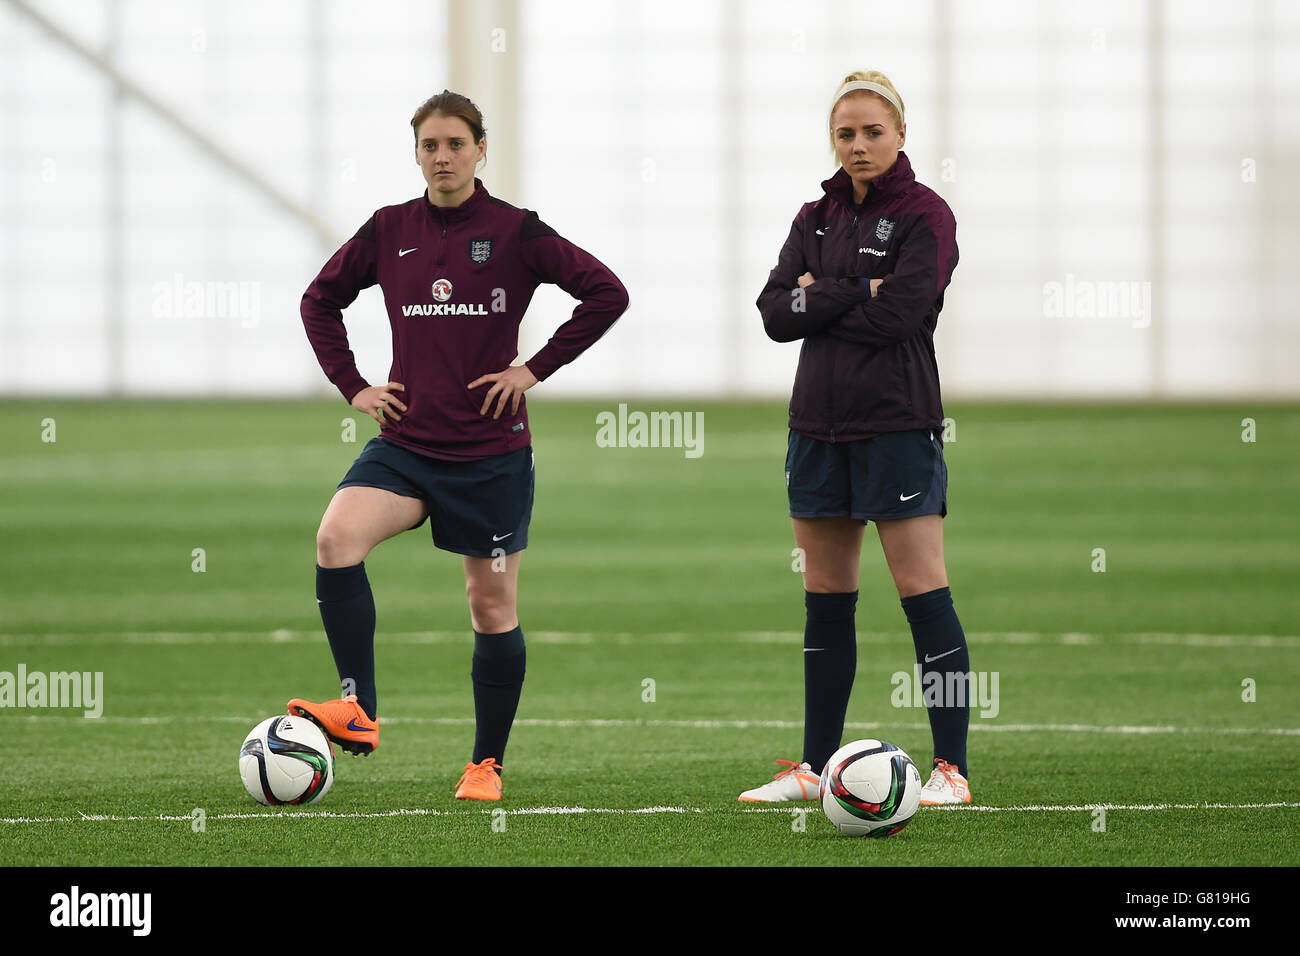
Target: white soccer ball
870,788
286,760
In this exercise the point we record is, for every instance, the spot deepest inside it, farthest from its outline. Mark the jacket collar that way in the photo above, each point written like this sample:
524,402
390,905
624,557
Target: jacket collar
897,178
456,213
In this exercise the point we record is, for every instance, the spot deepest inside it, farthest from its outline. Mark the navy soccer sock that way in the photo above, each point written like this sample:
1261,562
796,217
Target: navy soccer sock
347,608
498,674
941,651
830,660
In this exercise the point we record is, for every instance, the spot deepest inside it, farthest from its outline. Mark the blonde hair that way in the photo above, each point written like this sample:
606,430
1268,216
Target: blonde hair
867,76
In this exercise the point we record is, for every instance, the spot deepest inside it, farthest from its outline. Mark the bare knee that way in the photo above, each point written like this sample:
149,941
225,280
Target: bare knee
336,548
491,609
822,581
913,581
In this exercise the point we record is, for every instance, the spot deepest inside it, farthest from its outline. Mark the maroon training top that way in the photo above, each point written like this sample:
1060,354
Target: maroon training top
867,364
456,284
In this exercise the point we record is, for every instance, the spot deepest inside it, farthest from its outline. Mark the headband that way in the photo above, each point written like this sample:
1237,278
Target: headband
871,88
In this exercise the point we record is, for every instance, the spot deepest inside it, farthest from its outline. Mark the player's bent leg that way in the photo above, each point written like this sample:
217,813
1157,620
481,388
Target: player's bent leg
357,519
499,663
831,550
914,551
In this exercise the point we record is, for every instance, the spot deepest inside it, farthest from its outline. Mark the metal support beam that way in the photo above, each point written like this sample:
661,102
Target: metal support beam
211,150
1156,179
484,44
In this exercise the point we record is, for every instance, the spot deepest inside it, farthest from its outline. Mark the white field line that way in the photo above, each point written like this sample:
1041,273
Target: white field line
1081,808
976,725
641,811
282,636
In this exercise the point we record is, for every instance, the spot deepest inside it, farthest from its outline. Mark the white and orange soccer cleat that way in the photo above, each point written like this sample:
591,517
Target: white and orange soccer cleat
945,785
343,721
480,781
796,783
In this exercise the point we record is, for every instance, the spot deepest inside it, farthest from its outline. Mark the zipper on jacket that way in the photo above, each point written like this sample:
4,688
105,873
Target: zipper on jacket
442,246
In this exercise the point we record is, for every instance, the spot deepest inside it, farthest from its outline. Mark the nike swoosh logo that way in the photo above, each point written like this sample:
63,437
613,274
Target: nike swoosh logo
402,252
809,650
931,660
352,725
502,537
820,232
907,497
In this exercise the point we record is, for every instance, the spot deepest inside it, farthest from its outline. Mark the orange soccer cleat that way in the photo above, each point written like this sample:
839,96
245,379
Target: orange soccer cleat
343,721
480,781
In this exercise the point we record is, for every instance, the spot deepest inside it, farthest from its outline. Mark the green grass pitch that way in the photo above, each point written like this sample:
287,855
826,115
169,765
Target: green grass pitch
1121,688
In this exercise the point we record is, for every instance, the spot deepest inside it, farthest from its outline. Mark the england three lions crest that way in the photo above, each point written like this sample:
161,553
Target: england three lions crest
884,229
480,251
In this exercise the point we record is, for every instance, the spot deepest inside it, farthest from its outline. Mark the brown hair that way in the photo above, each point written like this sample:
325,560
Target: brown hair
450,104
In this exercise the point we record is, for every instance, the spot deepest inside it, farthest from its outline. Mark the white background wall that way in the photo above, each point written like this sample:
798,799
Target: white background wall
1108,142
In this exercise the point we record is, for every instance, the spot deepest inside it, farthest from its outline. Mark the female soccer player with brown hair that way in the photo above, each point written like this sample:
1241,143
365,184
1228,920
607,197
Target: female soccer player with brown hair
458,268
861,280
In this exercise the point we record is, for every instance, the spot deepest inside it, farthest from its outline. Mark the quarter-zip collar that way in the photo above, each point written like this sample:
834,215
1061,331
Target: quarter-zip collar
445,214
890,183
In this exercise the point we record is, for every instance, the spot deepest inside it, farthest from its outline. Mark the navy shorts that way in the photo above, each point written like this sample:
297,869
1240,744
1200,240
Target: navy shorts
892,476
480,508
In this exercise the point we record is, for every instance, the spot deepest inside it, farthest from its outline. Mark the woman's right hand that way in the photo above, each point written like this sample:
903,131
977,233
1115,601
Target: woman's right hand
379,402
875,285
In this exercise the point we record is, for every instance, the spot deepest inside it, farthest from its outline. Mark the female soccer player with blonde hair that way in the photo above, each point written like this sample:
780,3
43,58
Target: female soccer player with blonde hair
860,280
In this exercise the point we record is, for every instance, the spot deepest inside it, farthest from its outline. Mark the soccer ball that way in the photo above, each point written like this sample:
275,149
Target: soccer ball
870,788
286,760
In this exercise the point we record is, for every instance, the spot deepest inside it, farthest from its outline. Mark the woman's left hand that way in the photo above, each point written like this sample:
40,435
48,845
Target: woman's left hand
509,385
